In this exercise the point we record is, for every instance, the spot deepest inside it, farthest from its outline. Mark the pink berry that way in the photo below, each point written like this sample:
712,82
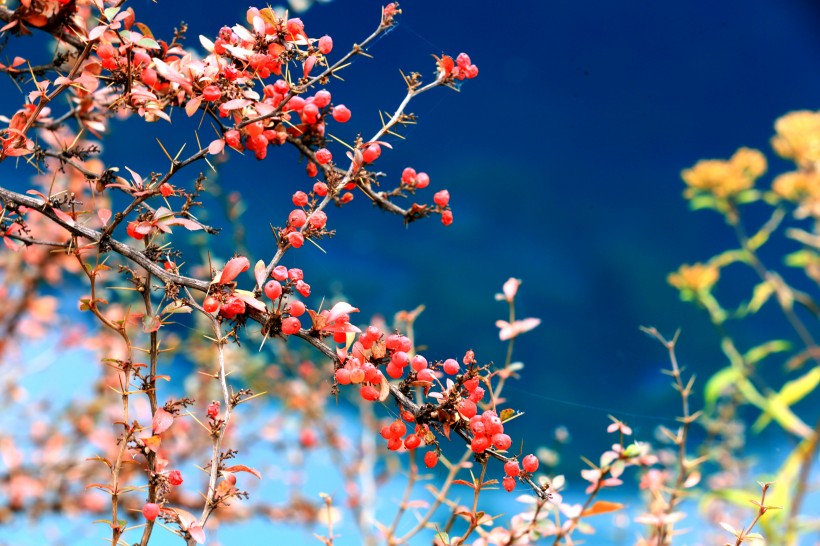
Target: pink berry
273,289
422,180
317,220
150,510
418,363
451,366
412,441
372,153
343,376
325,44
280,273
369,393
320,189
467,409
323,156
530,463
281,87
300,199
408,176
296,239
322,98
303,288
341,113
291,325
297,218
479,444
296,308
175,477
211,93
441,198
511,469
501,441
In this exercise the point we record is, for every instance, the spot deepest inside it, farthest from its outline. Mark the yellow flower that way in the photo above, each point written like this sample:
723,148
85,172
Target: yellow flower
725,178
695,278
798,137
797,186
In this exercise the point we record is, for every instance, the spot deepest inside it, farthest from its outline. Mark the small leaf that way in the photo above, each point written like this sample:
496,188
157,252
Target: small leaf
162,421
243,468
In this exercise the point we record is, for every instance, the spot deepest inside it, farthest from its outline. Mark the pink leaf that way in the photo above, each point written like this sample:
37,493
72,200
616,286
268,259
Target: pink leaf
259,273
216,146
234,267
243,468
96,32
341,308
309,64
235,104
12,244
104,215
190,225
17,61
249,300
192,106
64,216
197,533
162,421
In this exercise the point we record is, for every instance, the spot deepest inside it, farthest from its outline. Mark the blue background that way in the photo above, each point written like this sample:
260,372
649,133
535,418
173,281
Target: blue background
563,161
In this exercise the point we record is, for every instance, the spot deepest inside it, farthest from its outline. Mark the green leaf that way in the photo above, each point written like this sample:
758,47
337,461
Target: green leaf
797,389
756,354
718,384
761,294
148,43
702,201
801,258
111,12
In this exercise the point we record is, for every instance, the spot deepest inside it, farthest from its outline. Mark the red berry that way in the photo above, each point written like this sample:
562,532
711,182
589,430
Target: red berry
281,87
303,288
422,180
425,375
418,363
295,274
467,409
400,359
310,113
211,304
232,138
311,169
150,510
397,429
106,51
323,156
175,477
317,220
394,371
441,198
297,218
166,189
430,459
511,469
280,273
343,376
530,463
213,409
296,308
307,437
320,189
211,93
370,394
296,239
149,77
408,176
273,289
321,98
371,153
451,366
325,44
501,441
341,113
508,483
295,26
291,325
300,199
447,217
479,444
412,441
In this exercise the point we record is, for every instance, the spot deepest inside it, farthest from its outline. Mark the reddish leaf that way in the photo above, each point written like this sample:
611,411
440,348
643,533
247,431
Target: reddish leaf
162,421
243,468
234,267
602,507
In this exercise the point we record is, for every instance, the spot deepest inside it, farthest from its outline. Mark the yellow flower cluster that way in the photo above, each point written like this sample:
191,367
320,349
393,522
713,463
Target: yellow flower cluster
725,178
695,278
798,186
798,137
